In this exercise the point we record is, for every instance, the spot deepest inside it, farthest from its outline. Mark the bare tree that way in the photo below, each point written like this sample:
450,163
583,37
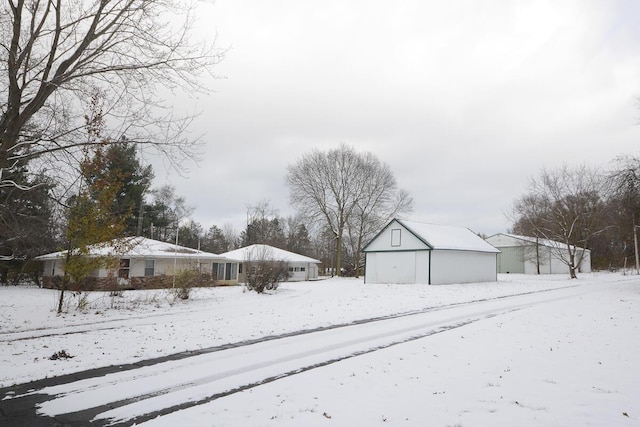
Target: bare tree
230,235
325,187
262,271
564,206
380,201
344,190
54,55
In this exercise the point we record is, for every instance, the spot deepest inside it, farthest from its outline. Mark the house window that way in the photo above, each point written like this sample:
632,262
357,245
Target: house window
240,268
291,269
231,272
123,272
395,237
150,267
302,268
217,269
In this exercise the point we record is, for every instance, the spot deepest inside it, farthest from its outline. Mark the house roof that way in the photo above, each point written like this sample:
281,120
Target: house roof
139,247
266,252
533,240
444,237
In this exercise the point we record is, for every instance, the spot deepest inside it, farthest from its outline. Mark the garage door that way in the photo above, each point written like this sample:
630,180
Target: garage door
396,267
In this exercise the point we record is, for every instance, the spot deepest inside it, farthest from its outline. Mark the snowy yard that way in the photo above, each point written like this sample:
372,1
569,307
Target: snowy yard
571,360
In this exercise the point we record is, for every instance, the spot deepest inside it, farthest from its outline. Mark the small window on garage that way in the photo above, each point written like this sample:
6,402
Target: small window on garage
395,237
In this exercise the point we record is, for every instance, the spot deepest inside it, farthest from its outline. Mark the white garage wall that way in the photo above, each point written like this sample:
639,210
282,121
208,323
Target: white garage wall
462,267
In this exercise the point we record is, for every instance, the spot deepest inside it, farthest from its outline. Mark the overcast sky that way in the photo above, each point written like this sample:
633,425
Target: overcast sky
466,100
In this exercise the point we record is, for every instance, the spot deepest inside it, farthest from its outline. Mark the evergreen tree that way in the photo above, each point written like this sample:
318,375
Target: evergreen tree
26,224
190,235
264,231
215,241
120,159
299,240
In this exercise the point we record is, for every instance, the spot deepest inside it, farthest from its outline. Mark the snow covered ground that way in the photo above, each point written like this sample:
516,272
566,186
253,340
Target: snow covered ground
563,357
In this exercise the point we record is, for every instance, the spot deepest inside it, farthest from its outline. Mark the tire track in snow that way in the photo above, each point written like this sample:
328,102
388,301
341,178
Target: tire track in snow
96,412
166,395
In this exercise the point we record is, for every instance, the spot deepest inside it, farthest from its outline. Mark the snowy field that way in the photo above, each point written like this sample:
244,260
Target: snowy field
568,356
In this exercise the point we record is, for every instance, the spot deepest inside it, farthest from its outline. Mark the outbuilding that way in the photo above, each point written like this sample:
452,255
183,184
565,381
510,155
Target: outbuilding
531,255
415,252
300,267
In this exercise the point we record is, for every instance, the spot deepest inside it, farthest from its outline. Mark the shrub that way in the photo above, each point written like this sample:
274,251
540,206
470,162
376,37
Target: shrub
266,275
185,280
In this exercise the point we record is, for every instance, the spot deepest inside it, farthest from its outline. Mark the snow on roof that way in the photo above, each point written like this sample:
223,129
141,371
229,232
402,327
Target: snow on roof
448,237
544,242
266,252
139,247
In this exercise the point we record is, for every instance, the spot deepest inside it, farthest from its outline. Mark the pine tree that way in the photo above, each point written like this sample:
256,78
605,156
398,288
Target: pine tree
26,223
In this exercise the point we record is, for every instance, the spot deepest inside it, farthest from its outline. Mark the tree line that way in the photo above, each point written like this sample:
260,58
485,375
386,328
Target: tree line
113,197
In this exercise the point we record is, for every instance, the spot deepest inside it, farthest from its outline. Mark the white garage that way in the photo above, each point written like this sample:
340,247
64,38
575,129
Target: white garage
416,252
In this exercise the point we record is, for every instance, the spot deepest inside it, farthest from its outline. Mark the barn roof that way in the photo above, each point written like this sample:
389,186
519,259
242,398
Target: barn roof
268,253
443,237
533,240
139,247
448,237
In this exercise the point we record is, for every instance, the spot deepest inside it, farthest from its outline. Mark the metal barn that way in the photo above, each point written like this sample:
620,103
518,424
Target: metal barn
528,255
415,252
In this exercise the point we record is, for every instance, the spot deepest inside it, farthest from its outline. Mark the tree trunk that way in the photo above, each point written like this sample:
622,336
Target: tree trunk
572,262
61,299
65,281
339,254
538,255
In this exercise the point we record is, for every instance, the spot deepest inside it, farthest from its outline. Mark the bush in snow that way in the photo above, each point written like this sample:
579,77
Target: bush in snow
266,275
185,281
